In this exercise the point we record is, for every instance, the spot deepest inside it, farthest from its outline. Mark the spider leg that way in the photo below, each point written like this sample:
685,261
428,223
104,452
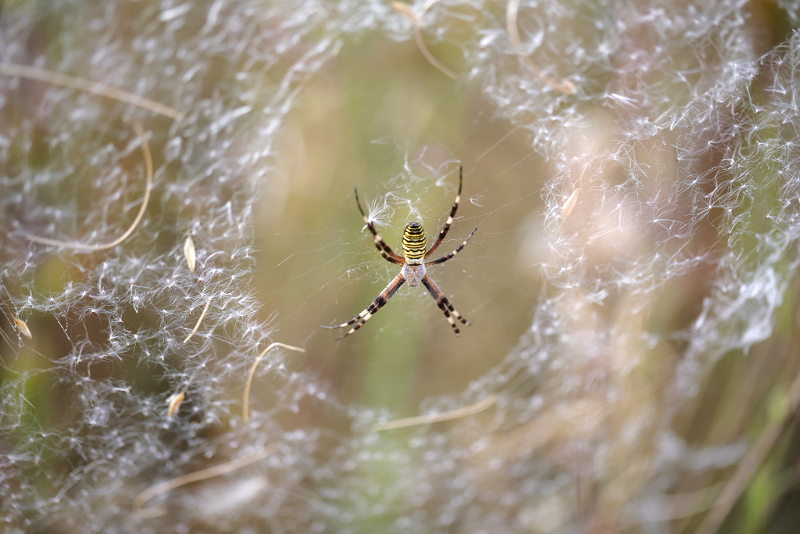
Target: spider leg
444,304
456,251
360,319
451,217
380,244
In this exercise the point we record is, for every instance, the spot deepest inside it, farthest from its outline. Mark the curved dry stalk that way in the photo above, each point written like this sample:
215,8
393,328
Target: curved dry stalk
569,204
458,413
404,10
749,465
175,402
96,88
199,320
22,326
148,161
251,373
512,11
196,476
189,253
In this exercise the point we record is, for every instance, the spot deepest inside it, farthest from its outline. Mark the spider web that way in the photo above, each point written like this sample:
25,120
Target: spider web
632,169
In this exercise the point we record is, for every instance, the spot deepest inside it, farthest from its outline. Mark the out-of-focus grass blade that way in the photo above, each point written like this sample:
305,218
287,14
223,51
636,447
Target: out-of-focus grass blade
9,333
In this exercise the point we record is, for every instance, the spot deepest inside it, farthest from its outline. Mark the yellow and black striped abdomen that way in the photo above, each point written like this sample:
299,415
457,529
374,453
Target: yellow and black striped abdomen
414,242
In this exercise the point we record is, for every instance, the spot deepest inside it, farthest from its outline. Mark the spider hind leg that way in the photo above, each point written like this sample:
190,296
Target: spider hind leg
444,304
383,297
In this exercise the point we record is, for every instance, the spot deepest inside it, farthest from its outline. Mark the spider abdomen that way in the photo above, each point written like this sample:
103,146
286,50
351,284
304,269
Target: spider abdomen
414,243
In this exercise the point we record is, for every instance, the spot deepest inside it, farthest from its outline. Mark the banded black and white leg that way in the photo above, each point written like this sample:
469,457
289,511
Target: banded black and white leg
458,249
451,217
361,318
385,250
443,303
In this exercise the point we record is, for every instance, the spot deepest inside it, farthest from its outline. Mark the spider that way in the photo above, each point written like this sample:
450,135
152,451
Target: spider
414,270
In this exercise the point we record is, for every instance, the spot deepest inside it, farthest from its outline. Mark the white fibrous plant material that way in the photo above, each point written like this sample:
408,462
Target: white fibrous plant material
680,122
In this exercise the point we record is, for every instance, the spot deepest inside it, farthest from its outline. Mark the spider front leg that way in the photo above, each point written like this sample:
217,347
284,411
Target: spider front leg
380,244
361,319
451,217
444,304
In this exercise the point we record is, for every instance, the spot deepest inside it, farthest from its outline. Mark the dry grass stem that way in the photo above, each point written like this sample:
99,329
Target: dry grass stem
148,160
175,402
22,326
745,469
512,11
88,86
406,11
199,320
251,373
189,253
458,413
196,476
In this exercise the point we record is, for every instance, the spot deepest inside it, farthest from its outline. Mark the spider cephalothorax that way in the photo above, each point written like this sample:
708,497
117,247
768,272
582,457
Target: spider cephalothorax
414,269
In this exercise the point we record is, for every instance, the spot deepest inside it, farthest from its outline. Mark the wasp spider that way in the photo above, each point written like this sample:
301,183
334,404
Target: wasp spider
414,268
